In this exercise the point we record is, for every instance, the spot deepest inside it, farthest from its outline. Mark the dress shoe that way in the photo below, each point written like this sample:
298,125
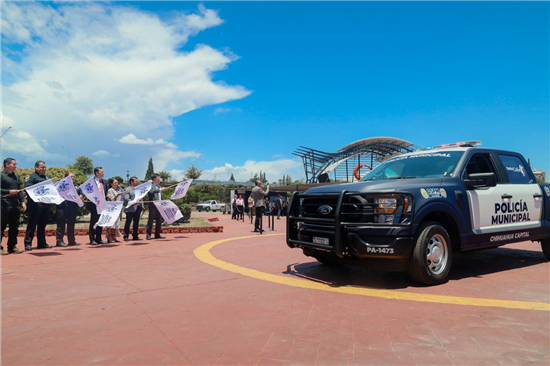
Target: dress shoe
160,237
126,238
61,244
101,242
148,237
93,242
45,246
137,238
15,250
73,244
3,252
28,248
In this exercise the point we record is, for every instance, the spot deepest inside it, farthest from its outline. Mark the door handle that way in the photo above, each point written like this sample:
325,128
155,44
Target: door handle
505,196
537,195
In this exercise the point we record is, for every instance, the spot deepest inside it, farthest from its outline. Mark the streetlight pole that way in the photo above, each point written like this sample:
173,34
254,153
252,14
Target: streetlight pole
2,135
128,176
69,154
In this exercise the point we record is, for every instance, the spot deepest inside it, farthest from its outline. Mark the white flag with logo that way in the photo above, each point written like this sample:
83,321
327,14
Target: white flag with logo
110,214
140,191
66,189
181,189
168,210
91,190
44,192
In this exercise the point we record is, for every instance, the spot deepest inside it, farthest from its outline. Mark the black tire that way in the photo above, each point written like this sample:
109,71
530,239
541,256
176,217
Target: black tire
545,245
433,241
199,210
207,209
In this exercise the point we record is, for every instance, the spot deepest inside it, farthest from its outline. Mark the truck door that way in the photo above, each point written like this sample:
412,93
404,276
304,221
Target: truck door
511,205
215,206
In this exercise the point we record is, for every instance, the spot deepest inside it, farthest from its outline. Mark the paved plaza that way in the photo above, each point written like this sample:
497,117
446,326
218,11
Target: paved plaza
238,298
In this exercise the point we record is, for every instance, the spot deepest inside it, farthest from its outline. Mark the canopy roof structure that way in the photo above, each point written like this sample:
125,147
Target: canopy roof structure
340,165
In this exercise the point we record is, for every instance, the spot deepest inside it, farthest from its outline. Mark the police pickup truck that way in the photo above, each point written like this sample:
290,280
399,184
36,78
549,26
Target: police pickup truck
414,211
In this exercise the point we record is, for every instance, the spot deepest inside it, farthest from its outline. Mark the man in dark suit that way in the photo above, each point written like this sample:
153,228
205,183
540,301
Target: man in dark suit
12,198
133,212
278,205
66,218
38,212
154,214
95,234
258,194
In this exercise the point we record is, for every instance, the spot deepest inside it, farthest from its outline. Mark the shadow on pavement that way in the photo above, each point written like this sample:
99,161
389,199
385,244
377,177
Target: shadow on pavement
136,244
49,254
104,246
465,265
487,261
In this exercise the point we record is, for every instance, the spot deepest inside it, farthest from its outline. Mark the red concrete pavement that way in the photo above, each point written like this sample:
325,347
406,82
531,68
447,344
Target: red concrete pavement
153,302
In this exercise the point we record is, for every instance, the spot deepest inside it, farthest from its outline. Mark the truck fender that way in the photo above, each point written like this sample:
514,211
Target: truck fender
446,208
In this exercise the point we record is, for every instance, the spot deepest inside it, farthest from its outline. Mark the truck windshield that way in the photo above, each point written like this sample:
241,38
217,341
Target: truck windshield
423,165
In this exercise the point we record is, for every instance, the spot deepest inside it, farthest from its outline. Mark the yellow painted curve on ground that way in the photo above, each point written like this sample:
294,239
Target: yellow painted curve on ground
203,254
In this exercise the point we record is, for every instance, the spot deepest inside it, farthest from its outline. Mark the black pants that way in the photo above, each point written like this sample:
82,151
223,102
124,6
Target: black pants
135,217
38,219
240,212
10,216
258,223
94,234
66,218
154,214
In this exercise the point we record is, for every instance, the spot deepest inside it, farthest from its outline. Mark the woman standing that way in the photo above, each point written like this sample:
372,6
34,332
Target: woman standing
114,194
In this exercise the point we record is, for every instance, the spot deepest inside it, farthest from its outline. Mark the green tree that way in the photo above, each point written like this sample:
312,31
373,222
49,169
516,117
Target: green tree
193,172
150,169
232,179
165,176
254,178
83,164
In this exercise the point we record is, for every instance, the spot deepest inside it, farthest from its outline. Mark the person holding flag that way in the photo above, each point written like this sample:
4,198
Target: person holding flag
38,212
133,212
155,194
95,233
12,198
67,211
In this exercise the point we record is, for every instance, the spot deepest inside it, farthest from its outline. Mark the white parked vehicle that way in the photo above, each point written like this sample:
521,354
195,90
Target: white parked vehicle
211,205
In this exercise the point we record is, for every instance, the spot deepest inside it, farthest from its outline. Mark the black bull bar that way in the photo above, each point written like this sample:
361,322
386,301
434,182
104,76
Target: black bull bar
339,225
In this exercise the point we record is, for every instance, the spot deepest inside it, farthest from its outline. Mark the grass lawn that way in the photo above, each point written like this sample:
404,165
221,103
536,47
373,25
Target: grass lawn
84,221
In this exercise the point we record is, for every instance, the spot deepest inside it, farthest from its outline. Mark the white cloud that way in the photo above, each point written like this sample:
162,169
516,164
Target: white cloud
163,157
274,170
101,153
225,110
133,140
80,72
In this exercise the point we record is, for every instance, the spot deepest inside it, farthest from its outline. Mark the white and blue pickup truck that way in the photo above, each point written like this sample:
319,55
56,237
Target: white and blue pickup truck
415,211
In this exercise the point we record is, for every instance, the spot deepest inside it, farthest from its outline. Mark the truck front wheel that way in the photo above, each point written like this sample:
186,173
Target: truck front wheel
207,209
432,256
545,245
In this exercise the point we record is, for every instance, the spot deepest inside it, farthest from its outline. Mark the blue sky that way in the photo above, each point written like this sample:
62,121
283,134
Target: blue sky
325,74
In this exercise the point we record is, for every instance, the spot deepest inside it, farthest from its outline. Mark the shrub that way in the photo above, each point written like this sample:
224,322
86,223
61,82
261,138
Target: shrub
185,211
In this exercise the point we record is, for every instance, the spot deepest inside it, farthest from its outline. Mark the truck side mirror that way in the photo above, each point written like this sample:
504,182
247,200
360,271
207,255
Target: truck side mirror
480,180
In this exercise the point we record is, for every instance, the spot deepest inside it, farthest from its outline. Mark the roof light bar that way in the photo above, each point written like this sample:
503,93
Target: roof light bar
455,144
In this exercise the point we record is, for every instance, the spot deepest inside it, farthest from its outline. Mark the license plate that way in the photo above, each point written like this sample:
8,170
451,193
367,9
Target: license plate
317,240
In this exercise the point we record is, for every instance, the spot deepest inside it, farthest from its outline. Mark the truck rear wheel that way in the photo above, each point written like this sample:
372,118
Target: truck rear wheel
432,256
545,245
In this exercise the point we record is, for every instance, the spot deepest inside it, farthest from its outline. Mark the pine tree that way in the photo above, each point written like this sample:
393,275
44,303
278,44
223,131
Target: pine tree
232,179
150,169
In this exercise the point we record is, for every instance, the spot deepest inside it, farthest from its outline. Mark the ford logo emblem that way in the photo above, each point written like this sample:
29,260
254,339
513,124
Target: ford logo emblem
324,210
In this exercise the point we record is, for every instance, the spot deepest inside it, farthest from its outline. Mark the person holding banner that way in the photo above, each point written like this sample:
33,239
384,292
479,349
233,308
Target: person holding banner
66,215
154,214
95,232
133,212
113,194
38,212
12,198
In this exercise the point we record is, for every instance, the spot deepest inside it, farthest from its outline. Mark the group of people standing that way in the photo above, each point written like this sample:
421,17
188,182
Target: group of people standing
13,204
